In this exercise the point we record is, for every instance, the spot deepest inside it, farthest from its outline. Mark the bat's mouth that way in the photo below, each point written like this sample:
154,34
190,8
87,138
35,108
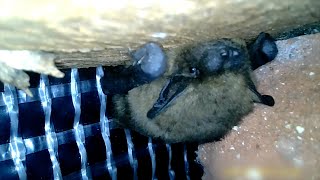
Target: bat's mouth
173,88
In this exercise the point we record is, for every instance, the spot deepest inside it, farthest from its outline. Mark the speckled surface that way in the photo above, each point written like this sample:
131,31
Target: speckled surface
280,142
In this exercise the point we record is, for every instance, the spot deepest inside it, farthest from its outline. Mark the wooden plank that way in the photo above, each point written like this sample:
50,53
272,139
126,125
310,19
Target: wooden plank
104,30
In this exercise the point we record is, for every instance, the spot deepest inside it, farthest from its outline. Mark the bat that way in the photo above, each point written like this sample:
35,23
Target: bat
195,93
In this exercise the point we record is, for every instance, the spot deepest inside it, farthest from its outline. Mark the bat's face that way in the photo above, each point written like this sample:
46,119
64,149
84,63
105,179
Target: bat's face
198,64
213,58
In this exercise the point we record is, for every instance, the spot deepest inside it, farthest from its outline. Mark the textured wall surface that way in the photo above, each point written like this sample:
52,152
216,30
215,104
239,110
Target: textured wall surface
112,27
280,142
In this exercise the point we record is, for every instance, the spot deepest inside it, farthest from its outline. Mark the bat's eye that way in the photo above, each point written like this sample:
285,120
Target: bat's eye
235,53
224,53
194,71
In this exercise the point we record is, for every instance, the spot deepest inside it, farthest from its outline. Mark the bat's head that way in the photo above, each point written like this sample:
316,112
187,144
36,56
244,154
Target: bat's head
213,58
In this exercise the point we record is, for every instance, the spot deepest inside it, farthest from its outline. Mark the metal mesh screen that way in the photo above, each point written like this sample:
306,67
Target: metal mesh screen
63,132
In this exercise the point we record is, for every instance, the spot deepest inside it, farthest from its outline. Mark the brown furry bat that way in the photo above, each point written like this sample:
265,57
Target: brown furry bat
194,94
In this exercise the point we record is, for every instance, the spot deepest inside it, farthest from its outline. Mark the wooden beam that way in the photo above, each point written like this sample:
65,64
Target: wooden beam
100,32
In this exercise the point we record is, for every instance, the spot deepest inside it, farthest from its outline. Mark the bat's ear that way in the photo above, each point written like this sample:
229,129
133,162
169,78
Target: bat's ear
263,50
